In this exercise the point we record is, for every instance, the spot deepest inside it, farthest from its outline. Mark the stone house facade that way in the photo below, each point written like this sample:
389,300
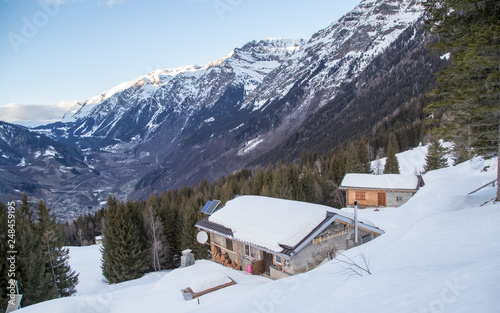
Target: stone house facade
331,232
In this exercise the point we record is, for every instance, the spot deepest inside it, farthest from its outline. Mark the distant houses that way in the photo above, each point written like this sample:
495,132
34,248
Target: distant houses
98,240
277,237
388,190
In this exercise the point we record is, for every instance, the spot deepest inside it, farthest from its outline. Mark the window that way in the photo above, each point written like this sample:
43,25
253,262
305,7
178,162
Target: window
399,198
277,259
360,195
229,244
249,251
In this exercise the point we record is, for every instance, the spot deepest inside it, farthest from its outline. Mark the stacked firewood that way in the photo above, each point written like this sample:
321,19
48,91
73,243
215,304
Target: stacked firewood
224,259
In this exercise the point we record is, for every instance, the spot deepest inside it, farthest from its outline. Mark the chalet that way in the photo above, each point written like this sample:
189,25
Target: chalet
390,190
279,237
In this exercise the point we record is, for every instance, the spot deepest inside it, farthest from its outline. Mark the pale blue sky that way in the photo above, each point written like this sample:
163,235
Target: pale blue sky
75,49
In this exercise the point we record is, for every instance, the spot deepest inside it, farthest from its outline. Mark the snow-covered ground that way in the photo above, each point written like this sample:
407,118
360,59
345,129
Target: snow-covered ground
440,253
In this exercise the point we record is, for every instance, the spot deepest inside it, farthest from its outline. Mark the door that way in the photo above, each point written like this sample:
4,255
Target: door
268,261
381,199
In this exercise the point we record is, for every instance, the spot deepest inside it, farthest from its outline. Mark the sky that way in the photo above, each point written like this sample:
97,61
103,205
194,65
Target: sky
54,53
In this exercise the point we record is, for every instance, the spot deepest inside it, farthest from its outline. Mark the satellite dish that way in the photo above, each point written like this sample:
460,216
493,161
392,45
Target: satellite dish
202,237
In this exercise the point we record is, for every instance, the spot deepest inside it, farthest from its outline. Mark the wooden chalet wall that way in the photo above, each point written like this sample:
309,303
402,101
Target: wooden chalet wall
371,197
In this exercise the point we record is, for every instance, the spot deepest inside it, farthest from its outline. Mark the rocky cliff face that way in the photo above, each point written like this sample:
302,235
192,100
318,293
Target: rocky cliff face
135,110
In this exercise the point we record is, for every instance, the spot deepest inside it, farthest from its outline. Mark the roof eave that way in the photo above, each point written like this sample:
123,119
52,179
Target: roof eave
285,256
378,188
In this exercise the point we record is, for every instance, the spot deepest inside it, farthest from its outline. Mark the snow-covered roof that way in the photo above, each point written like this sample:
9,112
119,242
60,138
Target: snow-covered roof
270,223
385,182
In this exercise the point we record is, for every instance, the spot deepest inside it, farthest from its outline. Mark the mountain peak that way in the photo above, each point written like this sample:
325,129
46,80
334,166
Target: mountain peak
337,52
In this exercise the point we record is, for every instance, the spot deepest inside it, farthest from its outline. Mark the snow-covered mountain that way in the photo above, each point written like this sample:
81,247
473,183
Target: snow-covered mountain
141,106
338,53
179,126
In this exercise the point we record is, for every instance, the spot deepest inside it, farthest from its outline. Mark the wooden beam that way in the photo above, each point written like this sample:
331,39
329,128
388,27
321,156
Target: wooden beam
238,258
359,227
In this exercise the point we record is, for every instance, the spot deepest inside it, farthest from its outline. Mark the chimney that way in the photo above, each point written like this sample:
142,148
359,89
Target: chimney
356,221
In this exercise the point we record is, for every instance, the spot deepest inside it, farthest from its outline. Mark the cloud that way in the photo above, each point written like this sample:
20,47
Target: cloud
36,114
111,3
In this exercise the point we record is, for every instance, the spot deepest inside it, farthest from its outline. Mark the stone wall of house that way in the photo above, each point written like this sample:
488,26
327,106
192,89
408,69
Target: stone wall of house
398,198
313,254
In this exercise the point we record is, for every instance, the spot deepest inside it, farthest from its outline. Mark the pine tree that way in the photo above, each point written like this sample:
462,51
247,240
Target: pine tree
172,228
364,157
460,153
62,277
188,233
25,209
391,163
436,156
124,244
34,283
280,187
34,271
338,166
353,164
109,234
465,105
393,141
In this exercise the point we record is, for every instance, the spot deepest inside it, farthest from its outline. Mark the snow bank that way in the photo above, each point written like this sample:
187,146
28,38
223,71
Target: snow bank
209,281
155,292
385,181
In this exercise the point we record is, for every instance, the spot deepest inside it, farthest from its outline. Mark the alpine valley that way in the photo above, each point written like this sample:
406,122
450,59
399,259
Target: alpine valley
267,100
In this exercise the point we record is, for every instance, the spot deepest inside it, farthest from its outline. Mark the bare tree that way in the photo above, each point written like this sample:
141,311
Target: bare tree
358,265
156,239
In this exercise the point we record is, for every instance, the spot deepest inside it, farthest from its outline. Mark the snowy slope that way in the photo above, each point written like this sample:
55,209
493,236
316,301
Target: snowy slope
440,253
411,162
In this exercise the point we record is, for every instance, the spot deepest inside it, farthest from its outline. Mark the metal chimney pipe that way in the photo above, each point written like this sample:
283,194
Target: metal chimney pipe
356,221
